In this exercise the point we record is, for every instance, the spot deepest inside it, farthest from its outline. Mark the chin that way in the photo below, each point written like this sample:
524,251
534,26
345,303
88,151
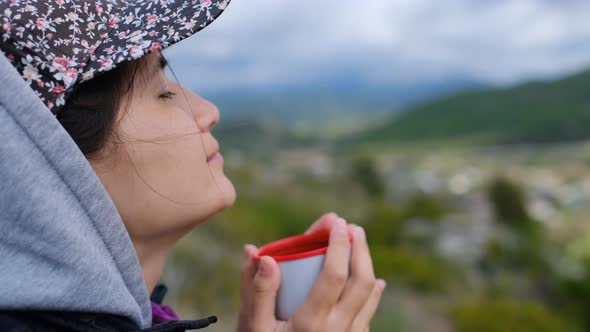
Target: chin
223,202
227,195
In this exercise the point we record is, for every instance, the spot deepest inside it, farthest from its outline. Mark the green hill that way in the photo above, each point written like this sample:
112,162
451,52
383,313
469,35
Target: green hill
538,112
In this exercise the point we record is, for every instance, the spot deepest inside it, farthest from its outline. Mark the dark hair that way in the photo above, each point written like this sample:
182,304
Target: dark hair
91,110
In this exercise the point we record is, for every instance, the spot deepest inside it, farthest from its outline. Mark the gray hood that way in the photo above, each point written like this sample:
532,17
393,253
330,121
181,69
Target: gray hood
63,245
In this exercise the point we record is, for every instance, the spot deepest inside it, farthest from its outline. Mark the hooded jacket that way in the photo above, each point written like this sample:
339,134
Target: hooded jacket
66,260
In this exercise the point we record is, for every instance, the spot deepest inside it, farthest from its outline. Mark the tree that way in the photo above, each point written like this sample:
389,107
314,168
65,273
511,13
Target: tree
365,173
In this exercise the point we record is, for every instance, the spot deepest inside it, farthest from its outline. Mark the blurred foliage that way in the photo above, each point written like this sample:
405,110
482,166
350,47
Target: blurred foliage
508,315
365,173
508,201
384,223
389,316
575,291
262,219
422,272
404,240
427,207
527,251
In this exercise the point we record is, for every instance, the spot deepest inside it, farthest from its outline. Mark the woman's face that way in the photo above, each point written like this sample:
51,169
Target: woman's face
165,174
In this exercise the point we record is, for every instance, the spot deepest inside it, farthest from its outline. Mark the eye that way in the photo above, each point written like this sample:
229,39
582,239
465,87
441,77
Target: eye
167,95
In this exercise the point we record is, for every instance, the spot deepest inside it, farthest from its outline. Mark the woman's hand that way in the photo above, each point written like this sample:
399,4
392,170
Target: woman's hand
336,302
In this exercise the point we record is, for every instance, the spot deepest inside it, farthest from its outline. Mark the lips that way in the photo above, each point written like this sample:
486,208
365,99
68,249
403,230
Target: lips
212,155
210,146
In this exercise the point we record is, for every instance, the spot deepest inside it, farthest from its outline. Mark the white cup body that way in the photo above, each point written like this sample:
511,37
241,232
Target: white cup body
297,279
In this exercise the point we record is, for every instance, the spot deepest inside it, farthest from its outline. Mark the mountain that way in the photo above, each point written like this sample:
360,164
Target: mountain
535,112
257,121
331,99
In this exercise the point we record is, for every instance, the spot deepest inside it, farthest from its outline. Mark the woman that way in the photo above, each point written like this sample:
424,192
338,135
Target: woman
90,213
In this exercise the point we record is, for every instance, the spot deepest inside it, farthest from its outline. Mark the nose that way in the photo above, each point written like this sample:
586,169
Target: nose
205,113
210,116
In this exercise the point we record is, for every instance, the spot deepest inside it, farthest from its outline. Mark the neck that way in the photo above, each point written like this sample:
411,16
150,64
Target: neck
152,258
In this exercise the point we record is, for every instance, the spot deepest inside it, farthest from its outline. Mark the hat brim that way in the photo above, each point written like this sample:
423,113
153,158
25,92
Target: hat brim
148,26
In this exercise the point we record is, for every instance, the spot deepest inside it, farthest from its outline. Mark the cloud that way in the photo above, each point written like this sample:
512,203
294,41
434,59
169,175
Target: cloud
261,42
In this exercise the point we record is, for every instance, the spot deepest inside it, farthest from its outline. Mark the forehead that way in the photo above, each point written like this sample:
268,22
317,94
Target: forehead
150,67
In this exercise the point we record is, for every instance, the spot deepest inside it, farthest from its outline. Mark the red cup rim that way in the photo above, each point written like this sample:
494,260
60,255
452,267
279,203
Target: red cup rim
298,246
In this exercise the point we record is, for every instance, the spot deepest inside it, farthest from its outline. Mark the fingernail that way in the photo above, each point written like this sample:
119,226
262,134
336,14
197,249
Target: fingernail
265,264
247,247
381,283
360,233
340,227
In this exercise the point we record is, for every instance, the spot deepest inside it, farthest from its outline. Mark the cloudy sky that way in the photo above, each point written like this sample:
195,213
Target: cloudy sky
286,42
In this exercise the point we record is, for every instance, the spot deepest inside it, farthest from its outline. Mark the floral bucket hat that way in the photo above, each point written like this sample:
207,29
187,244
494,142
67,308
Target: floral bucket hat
57,44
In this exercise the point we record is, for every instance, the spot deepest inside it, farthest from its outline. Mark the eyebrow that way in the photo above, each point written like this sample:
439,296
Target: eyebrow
161,64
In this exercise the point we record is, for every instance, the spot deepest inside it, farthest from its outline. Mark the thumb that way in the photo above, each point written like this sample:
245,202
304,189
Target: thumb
247,273
266,285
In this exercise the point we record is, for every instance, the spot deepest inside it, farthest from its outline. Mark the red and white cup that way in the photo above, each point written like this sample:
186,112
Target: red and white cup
301,259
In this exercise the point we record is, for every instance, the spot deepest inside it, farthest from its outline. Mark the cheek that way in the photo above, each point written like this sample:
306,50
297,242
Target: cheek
169,156
176,169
